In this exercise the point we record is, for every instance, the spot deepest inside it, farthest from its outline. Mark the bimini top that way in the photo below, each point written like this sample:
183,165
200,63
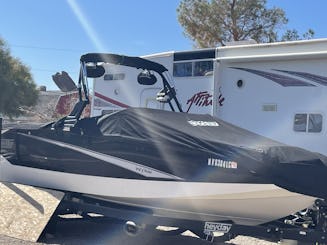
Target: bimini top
116,59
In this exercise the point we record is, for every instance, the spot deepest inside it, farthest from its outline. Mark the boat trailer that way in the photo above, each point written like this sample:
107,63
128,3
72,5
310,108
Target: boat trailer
308,226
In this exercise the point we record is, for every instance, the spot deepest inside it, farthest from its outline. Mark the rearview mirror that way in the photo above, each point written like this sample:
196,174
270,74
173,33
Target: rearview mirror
95,71
146,78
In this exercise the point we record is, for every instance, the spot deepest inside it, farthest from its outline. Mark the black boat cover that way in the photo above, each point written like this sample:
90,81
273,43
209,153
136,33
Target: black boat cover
180,128
179,146
223,144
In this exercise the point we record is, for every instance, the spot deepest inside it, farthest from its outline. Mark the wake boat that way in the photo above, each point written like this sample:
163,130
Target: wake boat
177,165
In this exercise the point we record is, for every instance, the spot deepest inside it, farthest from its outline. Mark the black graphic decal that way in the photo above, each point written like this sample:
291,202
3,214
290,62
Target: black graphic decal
312,77
277,78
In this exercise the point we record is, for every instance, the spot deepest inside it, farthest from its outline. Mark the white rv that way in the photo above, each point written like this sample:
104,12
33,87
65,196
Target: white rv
278,90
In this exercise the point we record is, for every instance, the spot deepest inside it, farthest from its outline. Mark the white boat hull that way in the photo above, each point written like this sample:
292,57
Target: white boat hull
246,204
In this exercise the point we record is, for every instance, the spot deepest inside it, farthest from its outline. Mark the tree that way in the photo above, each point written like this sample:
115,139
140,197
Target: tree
17,88
292,35
212,23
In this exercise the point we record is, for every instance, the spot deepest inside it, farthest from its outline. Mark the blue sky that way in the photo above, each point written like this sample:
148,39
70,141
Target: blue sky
49,36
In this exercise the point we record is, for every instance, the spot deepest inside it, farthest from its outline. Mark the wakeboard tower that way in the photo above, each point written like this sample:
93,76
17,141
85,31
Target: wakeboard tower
169,167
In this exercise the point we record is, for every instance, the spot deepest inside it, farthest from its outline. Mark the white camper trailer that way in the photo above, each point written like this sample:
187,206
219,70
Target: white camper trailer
277,90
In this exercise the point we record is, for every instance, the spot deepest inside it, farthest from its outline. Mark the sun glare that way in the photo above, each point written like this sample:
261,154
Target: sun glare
86,25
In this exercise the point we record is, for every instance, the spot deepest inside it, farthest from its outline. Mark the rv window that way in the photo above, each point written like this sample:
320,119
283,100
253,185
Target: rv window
117,76
203,68
311,123
183,69
300,122
315,123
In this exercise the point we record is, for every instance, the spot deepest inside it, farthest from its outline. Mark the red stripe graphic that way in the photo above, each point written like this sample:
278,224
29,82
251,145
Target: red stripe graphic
115,102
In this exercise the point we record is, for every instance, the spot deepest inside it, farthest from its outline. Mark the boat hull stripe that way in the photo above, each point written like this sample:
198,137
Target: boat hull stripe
128,165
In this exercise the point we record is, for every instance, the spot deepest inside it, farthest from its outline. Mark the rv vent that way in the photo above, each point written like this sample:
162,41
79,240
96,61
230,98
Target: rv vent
269,107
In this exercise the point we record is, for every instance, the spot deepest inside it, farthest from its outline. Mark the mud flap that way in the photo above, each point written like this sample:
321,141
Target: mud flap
26,210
